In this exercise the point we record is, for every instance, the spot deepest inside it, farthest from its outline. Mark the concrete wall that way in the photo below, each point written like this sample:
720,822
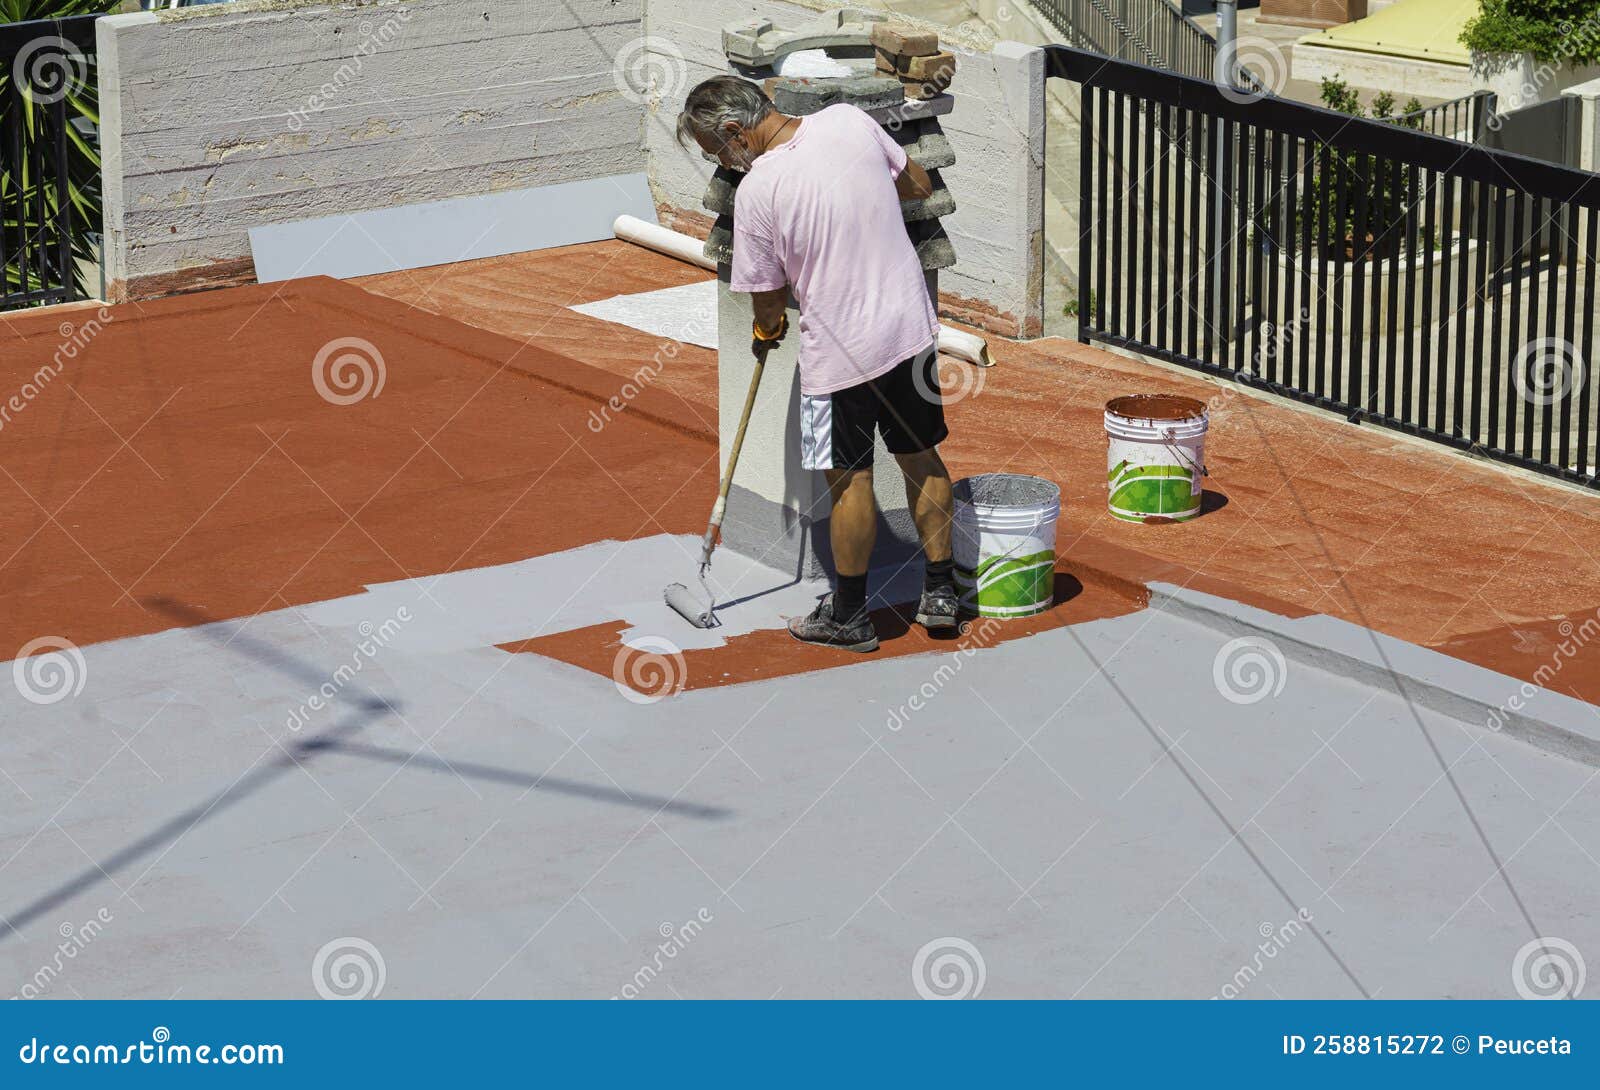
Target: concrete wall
996,131
1401,76
1521,81
1588,96
220,118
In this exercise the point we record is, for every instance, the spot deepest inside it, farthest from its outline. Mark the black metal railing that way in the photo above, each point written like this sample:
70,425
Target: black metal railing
1153,32
42,189
1465,118
1442,289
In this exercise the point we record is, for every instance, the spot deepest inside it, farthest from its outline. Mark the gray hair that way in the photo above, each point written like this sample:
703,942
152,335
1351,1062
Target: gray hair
715,102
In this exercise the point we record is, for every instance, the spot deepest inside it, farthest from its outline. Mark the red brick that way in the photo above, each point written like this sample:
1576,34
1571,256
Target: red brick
939,66
904,40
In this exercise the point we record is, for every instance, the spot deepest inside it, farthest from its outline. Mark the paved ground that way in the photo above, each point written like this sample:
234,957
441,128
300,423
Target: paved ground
304,728
1085,808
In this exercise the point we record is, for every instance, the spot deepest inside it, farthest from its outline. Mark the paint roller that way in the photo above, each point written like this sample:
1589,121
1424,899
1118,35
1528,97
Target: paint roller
678,596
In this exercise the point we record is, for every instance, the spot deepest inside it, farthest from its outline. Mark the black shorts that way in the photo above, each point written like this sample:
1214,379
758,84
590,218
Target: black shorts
836,430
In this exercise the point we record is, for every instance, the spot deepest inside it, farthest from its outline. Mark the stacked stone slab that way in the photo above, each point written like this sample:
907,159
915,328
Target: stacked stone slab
912,120
776,511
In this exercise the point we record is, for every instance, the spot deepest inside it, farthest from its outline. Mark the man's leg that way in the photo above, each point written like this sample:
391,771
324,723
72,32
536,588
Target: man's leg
928,495
836,434
853,524
913,427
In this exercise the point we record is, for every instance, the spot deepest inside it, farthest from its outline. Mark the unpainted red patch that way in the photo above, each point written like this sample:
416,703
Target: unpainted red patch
760,656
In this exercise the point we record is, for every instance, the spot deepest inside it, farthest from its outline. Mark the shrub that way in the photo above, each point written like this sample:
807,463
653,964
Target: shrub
1552,30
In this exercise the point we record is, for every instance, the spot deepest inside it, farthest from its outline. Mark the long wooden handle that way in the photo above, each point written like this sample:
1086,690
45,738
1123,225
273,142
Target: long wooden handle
721,506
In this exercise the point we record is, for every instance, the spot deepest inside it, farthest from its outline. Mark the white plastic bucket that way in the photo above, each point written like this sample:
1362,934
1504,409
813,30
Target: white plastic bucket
1004,543
1156,460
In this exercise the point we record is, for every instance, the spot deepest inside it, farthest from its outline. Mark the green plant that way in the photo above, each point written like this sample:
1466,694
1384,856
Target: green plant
1387,194
1552,30
32,203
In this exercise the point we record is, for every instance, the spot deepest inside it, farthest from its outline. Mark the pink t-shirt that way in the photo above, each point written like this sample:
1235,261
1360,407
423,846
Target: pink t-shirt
820,214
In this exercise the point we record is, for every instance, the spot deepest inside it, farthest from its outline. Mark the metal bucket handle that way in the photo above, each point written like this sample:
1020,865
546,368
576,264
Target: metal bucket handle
1173,445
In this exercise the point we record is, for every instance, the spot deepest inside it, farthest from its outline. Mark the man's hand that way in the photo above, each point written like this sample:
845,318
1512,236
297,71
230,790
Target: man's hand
763,340
771,309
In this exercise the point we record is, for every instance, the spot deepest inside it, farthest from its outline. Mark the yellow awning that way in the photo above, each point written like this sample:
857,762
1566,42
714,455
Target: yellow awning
1426,30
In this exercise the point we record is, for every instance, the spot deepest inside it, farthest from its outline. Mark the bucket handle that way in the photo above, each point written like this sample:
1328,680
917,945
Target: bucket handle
1173,445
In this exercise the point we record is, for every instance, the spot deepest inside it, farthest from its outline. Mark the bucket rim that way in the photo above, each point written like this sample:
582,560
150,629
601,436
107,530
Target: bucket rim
1171,409
1051,492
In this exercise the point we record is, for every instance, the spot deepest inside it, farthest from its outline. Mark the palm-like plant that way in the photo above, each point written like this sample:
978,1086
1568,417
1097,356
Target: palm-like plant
34,205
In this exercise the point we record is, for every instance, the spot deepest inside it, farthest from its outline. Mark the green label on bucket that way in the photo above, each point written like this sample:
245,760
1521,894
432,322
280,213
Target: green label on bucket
1138,491
1009,586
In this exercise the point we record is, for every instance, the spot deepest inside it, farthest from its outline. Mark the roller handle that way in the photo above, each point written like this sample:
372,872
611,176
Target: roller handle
721,506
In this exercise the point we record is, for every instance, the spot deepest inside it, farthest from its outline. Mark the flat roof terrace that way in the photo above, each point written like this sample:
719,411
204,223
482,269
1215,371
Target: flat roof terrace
296,719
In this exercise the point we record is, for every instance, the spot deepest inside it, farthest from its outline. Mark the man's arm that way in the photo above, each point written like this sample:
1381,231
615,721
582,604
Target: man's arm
913,183
769,307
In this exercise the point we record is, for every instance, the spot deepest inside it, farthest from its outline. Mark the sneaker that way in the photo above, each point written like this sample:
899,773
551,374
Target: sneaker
822,627
938,609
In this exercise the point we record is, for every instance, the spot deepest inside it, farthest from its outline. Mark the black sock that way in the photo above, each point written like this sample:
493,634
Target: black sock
939,574
850,596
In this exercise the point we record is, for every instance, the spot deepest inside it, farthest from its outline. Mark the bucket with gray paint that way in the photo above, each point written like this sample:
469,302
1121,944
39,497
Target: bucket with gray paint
1004,543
